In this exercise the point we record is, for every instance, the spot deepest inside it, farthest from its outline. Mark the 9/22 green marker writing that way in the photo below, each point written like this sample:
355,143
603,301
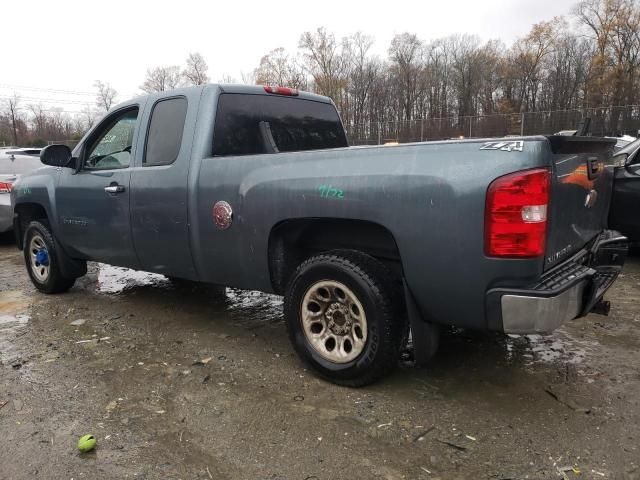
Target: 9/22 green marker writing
329,191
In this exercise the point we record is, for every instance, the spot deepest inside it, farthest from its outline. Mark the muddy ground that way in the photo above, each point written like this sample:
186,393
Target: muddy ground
178,383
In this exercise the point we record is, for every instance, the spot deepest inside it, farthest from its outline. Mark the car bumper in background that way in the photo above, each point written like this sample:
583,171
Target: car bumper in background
569,291
6,213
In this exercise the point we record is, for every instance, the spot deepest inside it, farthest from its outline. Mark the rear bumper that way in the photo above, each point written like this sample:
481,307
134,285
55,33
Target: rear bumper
571,290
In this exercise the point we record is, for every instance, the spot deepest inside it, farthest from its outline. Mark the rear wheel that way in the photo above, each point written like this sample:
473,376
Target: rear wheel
42,261
344,317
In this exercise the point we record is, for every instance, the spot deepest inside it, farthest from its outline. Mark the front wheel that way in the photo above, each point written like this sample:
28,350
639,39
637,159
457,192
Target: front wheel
42,261
344,317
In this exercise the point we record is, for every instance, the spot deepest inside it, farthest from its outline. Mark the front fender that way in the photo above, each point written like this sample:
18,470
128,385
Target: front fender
33,196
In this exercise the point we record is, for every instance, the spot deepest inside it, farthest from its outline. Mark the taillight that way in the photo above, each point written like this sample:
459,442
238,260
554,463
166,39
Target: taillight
5,187
516,215
289,92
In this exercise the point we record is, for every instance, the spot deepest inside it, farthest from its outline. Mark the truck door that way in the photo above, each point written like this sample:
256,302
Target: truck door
159,188
93,204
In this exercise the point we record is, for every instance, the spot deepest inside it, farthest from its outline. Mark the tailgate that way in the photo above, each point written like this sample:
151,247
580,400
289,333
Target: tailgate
581,190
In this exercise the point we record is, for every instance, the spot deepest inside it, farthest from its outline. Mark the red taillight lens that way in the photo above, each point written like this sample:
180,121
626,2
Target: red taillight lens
516,215
5,187
290,92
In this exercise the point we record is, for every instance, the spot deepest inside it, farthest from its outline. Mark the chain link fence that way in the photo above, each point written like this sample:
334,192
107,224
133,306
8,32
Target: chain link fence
611,121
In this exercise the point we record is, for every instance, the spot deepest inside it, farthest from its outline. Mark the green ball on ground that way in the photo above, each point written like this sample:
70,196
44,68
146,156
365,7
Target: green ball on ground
86,443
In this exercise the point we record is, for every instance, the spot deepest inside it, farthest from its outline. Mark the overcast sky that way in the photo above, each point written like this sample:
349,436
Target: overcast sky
67,45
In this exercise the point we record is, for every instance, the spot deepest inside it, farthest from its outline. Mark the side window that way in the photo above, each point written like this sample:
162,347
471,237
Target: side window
112,148
164,137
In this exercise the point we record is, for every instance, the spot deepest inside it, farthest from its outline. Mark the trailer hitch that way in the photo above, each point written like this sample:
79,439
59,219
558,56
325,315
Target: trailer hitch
602,307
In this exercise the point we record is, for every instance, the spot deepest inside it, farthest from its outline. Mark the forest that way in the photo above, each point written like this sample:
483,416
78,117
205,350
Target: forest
583,64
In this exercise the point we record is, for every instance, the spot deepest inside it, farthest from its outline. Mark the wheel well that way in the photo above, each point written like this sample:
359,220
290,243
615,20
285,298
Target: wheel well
27,212
293,241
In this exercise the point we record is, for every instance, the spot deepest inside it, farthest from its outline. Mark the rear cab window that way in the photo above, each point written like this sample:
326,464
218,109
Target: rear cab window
293,124
164,137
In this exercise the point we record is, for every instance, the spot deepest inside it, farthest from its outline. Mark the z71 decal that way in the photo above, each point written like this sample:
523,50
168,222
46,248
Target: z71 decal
505,146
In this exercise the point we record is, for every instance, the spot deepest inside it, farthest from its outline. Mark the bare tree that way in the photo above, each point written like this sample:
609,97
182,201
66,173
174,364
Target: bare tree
249,78
362,75
278,68
161,79
13,111
327,61
406,54
196,71
613,26
106,95
39,119
89,116
226,78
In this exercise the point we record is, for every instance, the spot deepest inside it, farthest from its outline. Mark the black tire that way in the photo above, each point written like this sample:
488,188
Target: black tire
54,282
375,289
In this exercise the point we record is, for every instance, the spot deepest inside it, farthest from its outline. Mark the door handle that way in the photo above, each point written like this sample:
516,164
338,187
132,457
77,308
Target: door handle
114,188
594,168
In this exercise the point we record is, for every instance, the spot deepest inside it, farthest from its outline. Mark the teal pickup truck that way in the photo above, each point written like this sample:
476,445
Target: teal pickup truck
256,188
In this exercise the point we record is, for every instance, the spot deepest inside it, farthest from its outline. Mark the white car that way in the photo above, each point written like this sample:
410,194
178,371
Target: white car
13,163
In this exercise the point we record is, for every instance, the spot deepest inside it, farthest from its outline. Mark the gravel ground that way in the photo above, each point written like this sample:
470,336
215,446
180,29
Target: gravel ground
179,382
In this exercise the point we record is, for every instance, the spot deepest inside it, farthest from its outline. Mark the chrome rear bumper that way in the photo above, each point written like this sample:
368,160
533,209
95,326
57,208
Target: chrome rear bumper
568,291
528,314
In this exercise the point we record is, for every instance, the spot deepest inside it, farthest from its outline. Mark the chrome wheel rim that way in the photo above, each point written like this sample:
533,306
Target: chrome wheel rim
39,258
334,321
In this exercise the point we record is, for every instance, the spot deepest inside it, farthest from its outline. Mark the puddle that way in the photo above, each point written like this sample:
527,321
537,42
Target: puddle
252,309
249,309
556,348
12,302
118,279
11,327
13,321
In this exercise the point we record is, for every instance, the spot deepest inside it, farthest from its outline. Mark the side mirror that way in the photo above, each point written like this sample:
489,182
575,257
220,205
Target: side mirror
57,156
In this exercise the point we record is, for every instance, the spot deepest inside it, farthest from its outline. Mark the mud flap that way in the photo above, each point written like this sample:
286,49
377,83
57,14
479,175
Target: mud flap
69,267
424,335
17,231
